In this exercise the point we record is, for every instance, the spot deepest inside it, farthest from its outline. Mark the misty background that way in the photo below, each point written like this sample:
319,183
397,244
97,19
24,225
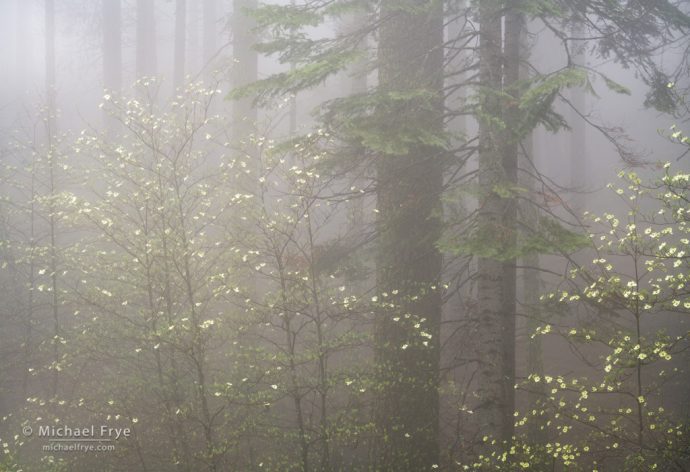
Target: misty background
323,236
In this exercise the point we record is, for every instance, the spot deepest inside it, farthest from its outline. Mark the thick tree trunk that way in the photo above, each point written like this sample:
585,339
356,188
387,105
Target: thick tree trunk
531,276
531,288
409,263
499,70
511,143
490,272
146,39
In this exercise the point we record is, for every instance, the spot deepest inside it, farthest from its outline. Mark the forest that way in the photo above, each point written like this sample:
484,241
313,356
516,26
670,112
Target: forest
344,235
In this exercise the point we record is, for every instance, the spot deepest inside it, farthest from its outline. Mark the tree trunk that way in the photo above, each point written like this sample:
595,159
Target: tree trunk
409,263
51,135
112,51
490,271
244,71
194,47
23,47
499,70
578,135
146,39
531,288
112,45
355,83
531,279
511,143
51,91
210,35
180,42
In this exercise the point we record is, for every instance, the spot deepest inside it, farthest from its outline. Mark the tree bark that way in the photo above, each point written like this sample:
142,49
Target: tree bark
511,141
496,278
490,271
531,279
409,263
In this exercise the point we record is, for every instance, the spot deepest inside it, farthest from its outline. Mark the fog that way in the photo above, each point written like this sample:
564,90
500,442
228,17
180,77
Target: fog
331,235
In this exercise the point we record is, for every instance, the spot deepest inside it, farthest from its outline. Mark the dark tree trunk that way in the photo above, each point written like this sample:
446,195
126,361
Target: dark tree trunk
409,264
511,143
496,278
490,271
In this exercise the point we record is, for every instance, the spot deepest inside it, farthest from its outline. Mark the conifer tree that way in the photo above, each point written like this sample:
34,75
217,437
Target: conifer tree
374,127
